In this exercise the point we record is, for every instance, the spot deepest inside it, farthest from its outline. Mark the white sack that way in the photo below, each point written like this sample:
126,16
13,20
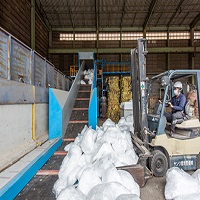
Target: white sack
107,191
87,141
108,123
83,82
118,189
100,133
82,161
84,129
68,146
71,164
79,173
99,166
119,145
128,197
102,151
128,181
111,175
90,81
196,175
189,197
58,186
87,181
71,179
70,193
178,183
112,134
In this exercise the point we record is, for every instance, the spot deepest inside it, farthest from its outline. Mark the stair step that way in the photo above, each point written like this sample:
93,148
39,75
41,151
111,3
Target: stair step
82,99
81,104
83,94
80,109
73,130
60,153
78,121
68,139
84,91
79,115
47,172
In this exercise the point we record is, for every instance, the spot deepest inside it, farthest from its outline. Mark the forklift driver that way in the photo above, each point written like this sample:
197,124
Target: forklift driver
177,103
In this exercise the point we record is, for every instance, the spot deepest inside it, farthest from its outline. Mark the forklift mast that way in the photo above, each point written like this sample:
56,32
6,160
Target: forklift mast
139,89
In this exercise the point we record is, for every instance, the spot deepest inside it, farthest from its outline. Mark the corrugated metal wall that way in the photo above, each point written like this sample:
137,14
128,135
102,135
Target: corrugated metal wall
15,17
156,63
41,35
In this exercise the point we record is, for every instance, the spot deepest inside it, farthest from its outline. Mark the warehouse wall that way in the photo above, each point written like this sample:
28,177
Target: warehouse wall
15,17
41,35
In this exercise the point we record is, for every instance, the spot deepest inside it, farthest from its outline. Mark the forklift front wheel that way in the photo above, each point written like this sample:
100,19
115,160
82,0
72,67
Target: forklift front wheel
158,163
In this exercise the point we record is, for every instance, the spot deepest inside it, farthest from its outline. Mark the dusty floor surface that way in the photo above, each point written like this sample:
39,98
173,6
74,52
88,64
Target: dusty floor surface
154,189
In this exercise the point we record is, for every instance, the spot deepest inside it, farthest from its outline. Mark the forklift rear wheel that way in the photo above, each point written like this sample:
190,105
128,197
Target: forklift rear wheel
158,163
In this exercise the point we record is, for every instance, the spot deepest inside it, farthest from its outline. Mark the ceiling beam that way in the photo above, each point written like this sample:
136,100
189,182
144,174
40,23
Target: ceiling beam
43,13
123,13
117,12
175,13
70,14
151,9
97,13
195,21
125,50
118,29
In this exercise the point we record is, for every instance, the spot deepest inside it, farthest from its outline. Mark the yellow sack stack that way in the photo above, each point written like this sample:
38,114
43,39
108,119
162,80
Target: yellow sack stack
113,111
125,87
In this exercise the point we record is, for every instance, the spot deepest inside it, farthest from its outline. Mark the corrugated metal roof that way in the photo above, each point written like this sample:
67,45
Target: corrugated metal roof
121,13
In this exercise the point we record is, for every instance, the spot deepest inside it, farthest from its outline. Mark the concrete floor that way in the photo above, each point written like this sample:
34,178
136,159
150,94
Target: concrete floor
154,189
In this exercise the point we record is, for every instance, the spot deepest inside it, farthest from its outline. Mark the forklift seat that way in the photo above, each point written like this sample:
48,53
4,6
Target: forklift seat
188,113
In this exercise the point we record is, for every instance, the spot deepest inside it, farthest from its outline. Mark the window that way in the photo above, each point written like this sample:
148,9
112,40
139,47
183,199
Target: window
109,36
179,35
197,35
85,36
66,36
156,35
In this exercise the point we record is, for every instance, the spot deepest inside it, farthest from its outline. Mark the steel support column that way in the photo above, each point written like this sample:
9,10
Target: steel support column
191,55
121,44
97,26
33,24
74,44
50,42
168,54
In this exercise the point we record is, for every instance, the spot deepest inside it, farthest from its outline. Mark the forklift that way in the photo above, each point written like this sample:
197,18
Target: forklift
157,149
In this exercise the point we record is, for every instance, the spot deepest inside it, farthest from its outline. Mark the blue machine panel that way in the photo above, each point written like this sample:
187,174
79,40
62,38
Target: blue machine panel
184,162
20,62
4,48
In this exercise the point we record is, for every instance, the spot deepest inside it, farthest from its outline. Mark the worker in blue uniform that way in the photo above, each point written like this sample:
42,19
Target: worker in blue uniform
177,103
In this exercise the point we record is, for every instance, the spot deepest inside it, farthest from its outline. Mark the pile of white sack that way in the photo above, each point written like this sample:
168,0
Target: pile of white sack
181,185
88,171
88,75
